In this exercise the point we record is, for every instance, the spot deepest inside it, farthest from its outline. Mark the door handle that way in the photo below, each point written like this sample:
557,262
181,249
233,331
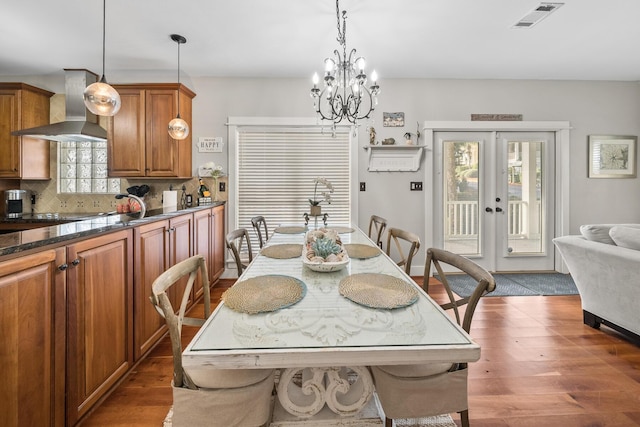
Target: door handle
488,209
498,209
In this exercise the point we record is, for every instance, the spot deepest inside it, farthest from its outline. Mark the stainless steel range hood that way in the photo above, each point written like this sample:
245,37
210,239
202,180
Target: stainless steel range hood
80,124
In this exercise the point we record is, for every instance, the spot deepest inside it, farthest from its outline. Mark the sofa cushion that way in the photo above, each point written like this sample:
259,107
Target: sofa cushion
600,232
627,237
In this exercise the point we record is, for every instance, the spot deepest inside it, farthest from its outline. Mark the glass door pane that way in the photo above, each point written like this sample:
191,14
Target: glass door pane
461,194
525,182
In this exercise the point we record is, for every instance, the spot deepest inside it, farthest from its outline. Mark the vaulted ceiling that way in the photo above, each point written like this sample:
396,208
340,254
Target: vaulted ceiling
582,40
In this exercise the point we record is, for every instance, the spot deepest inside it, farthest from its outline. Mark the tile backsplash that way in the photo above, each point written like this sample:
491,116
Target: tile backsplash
49,200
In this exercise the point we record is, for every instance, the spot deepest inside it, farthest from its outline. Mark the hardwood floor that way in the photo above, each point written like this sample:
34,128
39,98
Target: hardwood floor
540,366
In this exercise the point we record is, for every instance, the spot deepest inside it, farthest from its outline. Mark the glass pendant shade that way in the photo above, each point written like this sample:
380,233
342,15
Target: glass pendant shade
178,129
102,99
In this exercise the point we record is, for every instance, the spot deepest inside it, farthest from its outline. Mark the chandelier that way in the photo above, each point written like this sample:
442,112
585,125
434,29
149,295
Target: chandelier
345,94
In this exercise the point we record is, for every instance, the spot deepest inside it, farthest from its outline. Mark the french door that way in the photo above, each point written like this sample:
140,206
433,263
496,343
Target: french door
494,198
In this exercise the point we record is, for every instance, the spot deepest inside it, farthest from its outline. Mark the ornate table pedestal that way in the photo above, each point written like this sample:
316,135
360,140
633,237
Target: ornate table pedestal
325,397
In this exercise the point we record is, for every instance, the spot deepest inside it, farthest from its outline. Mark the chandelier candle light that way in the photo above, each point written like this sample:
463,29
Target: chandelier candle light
345,94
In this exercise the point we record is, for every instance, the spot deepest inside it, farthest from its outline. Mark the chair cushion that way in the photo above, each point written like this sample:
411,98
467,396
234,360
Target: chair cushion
208,377
600,232
627,237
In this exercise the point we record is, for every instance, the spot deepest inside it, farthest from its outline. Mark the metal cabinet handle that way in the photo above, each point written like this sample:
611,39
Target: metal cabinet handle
75,262
63,267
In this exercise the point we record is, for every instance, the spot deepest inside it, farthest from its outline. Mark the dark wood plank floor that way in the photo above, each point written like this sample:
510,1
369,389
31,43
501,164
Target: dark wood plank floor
540,366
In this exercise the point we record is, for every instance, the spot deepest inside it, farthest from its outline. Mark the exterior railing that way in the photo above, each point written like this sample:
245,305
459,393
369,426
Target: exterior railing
462,219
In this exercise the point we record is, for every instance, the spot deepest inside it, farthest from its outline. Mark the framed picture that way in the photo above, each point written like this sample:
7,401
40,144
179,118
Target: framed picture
612,156
392,119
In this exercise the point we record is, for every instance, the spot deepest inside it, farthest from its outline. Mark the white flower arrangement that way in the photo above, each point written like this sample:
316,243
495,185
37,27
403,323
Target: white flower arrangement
326,195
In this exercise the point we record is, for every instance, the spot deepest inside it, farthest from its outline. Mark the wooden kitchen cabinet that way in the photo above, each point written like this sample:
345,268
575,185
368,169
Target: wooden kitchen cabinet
208,241
158,246
32,321
100,318
218,243
139,144
23,106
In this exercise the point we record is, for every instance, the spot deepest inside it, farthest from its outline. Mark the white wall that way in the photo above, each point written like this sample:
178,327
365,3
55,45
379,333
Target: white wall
590,107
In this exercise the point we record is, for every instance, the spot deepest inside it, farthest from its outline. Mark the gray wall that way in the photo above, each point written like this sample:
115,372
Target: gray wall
590,107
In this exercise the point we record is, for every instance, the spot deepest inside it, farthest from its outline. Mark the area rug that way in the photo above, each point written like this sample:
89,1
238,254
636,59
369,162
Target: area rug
518,284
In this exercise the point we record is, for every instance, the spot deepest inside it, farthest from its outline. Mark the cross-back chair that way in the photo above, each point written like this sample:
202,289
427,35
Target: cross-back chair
415,391
404,241
237,240
206,395
260,226
377,225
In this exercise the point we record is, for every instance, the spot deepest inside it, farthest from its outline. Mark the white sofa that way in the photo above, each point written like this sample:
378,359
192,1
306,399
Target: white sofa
605,265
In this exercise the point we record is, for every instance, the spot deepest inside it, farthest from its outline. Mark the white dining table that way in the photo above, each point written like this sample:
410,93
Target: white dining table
323,344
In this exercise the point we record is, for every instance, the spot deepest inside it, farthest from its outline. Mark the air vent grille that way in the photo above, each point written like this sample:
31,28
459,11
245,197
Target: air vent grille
536,15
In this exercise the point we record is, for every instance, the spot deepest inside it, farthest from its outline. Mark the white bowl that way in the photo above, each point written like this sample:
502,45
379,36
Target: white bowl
324,267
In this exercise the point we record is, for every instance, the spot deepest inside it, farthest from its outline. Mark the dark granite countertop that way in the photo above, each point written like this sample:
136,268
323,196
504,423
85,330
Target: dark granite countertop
73,226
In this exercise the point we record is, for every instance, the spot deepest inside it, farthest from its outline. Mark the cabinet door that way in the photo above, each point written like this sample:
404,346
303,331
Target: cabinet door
181,237
151,252
32,321
217,243
126,143
162,150
202,244
9,145
100,323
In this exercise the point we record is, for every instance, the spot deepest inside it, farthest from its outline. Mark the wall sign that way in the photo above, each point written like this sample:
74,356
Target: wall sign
210,144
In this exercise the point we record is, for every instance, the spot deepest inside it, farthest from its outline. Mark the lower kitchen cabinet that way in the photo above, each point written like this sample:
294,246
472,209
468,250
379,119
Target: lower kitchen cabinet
100,318
208,241
32,356
158,246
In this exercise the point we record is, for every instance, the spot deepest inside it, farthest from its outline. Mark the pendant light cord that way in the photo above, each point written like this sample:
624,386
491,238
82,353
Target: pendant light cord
178,79
104,32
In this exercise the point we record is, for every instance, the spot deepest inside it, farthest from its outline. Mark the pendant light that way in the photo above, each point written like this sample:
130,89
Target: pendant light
100,98
178,128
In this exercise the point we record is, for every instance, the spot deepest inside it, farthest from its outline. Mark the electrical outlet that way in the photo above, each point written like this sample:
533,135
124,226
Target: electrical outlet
222,186
363,186
416,186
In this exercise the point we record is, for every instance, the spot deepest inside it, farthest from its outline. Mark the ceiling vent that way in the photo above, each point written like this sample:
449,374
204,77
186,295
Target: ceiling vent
536,15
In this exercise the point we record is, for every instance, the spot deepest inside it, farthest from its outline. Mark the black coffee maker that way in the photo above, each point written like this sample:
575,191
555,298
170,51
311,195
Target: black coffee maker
16,202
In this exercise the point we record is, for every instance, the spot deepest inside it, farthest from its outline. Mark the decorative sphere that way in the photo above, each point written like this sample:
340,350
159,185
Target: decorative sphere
102,99
178,129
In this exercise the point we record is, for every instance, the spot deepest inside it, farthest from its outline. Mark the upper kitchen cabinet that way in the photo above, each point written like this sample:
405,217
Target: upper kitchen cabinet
139,144
23,106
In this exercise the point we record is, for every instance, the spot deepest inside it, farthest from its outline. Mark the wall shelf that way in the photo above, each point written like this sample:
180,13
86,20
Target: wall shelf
394,158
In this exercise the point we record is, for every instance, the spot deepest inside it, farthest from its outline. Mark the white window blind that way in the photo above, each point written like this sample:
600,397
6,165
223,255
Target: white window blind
276,169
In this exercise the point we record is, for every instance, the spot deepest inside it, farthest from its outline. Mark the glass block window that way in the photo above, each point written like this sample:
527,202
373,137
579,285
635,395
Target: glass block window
82,168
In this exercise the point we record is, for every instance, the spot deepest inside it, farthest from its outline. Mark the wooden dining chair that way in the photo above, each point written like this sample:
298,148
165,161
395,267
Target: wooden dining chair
377,225
425,390
237,240
404,241
206,395
260,226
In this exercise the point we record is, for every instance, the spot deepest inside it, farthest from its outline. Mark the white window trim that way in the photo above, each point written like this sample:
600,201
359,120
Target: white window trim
236,124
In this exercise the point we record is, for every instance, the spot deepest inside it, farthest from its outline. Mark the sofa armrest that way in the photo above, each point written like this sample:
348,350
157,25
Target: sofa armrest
607,277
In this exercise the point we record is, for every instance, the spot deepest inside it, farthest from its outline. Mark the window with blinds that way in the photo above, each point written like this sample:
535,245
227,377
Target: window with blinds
276,169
